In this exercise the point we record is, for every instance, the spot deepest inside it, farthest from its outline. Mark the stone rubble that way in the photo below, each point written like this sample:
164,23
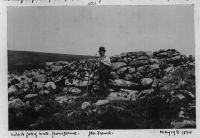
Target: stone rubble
134,75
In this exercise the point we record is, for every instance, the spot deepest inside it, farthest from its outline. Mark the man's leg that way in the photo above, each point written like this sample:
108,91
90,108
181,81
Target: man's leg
101,83
106,84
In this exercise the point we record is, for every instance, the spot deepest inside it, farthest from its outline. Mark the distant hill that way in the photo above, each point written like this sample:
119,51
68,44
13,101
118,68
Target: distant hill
21,60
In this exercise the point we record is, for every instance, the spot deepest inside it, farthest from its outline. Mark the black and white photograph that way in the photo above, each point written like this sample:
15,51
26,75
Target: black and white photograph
116,67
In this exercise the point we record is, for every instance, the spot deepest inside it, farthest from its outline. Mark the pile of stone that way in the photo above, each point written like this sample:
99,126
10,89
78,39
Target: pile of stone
133,75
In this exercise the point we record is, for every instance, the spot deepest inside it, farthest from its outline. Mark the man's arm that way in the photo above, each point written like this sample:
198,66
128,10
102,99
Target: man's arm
106,61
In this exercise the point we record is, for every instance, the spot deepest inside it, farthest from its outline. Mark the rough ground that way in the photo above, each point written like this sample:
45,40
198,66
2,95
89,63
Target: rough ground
147,90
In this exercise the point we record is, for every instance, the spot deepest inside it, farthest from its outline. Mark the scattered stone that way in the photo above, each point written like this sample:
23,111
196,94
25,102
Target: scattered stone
120,96
167,70
16,104
181,114
117,65
65,99
122,70
188,94
31,96
49,63
124,84
128,77
131,70
85,105
115,58
146,81
75,90
12,89
44,92
50,85
137,63
180,96
102,102
114,75
175,60
56,68
155,83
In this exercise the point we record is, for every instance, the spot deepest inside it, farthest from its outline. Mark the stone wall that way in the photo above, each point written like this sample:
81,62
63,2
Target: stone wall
134,75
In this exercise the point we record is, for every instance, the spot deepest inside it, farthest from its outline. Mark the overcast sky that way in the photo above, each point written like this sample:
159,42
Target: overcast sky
82,29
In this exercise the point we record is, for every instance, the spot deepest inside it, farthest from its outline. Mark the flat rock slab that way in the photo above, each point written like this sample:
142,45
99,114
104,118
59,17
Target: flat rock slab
102,102
121,96
65,99
31,96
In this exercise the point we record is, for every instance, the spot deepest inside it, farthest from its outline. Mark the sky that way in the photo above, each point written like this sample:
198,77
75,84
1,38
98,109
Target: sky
83,29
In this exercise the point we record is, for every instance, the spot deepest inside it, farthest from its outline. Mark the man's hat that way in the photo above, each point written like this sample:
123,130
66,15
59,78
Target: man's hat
102,49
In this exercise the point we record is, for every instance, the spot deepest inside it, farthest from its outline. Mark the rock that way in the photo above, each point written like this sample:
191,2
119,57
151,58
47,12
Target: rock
49,63
145,92
183,124
132,94
128,77
148,68
124,54
70,114
174,60
68,82
122,70
79,83
169,69
65,99
149,53
148,91
41,78
188,94
143,58
38,107
31,96
44,92
102,102
180,96
115,58
85,105
14,81
50,85
126,59
94,110
19,85
117,65
27,103
19,94
56,68
131,70
12,89
122,96
61,63
146,81
75,90
124,84
162,55
113,75
16,104
155,83
154,61
39,85
181,114
137,63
